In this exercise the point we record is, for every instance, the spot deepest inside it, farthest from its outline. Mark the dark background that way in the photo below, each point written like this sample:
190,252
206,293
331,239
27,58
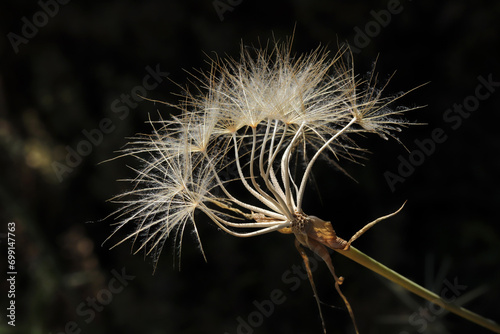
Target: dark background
65,79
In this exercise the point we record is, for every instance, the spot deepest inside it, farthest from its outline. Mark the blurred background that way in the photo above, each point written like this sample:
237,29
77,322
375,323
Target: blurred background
70,72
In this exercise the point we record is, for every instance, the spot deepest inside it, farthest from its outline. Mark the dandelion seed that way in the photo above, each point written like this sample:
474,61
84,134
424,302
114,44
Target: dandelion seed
259,114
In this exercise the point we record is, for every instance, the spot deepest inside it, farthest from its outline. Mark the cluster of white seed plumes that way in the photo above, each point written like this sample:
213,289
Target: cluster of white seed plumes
267,118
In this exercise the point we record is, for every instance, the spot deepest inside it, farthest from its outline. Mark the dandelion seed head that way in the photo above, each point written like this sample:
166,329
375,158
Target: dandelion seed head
251,114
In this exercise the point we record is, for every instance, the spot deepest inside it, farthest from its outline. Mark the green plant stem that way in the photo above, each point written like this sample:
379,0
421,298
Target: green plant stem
363,259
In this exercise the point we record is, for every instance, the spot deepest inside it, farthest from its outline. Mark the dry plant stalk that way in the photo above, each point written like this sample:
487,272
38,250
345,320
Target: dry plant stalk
269,116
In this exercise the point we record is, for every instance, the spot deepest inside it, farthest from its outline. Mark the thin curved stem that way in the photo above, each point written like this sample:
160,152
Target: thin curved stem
285,175
222,224
272,204
251,163
273,188
237,201
364,260
303,183
269,176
